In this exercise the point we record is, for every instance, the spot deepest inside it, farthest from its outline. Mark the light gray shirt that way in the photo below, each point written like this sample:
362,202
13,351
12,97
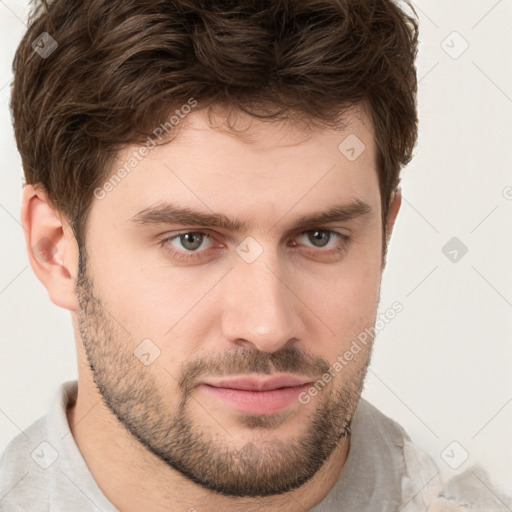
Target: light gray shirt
42,470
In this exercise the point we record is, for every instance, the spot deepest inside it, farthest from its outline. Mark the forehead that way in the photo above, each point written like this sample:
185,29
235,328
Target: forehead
263,169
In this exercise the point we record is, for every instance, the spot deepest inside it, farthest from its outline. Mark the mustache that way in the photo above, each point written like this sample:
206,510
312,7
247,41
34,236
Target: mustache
287,360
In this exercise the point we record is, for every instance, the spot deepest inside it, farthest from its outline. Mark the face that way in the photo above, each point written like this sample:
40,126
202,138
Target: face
206,334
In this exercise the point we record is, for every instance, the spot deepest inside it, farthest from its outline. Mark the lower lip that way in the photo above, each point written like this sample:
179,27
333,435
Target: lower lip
257,402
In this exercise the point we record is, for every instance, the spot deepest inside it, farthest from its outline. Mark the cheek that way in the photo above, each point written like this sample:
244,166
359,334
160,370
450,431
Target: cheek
346,300
357,275
174,308
348,303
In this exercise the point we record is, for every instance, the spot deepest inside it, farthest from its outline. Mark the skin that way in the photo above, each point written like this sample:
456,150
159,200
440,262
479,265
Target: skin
294,309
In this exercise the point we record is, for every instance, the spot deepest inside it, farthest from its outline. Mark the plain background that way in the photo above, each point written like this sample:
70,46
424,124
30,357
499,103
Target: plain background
441,368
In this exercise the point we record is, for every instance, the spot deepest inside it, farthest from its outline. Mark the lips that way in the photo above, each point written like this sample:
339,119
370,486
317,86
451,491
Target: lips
257,395
258,383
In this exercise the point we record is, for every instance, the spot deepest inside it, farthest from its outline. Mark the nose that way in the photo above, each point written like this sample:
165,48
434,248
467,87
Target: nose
261,310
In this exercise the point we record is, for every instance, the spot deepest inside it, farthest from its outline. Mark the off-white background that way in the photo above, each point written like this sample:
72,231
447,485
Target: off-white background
442,367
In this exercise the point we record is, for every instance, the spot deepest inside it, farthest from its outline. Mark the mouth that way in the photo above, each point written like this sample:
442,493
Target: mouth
255,394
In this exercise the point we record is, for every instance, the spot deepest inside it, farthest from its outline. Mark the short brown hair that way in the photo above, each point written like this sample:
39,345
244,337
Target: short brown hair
121,67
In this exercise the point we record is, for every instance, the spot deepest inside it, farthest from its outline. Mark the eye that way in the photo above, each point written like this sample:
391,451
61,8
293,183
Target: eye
188,245
190,241
320,238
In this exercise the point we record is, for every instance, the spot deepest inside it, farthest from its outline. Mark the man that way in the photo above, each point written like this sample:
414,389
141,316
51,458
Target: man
211,188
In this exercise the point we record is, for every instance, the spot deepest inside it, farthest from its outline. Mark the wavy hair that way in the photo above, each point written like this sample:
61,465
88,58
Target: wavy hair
122,66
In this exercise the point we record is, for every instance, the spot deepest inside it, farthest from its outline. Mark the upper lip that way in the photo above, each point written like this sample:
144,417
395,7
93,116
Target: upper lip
263,383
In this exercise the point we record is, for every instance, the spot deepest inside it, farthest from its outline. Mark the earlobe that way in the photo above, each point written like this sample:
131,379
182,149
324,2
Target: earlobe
51,247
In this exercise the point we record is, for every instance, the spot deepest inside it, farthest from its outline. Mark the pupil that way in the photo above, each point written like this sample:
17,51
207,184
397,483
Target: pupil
186,239
319,236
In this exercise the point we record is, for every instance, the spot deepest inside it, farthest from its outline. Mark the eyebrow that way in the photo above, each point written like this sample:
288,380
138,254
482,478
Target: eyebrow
168,213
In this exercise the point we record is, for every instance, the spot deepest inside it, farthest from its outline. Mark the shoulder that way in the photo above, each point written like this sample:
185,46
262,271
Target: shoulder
28,468
423,488
471,490
23,480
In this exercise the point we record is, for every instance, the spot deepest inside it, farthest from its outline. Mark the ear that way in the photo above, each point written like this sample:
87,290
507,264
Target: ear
51,247
394,206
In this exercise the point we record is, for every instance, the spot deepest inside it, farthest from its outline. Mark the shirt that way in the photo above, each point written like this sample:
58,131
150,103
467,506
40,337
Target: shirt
42,470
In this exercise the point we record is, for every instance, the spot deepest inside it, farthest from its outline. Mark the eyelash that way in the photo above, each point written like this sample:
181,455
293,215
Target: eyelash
189,255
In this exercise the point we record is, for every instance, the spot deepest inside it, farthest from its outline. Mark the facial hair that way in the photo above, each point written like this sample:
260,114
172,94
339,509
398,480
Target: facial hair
264,467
